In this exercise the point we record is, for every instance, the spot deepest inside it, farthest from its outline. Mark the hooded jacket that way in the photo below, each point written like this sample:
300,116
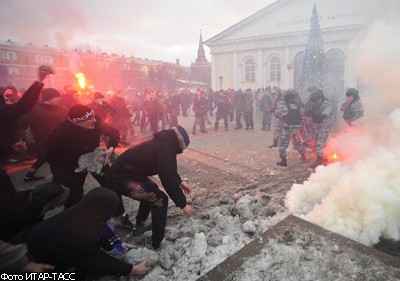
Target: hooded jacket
154,157
72,238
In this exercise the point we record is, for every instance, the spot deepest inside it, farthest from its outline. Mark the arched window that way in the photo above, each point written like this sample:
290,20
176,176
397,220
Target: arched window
250,70
39,59
11,56
336,65
298,63
13,71
103,65
275,69
48,59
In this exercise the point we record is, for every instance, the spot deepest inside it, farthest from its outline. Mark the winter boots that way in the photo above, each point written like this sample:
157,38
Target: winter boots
275,144
282,163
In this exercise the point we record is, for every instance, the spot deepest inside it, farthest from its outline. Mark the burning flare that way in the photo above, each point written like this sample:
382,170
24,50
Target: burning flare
81,79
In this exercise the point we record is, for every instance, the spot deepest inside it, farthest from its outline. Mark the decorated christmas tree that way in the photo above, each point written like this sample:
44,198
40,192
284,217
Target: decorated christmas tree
314,70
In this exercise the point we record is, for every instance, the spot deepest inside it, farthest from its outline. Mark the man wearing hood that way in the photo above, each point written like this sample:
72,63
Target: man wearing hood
72,239
130,176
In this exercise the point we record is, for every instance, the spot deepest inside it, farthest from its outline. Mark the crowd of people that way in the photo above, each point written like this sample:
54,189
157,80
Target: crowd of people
62,126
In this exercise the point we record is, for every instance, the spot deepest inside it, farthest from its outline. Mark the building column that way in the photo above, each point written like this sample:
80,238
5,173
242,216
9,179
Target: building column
214,80
260,73
350,78
235,71
287,77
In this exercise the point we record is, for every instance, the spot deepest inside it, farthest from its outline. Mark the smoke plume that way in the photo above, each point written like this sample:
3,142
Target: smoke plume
359,196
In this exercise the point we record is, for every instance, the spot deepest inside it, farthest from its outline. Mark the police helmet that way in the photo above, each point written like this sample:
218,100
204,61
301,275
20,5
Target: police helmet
289,95
316,95
351,92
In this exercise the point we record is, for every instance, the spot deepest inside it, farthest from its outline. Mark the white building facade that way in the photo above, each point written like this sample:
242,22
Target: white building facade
266,48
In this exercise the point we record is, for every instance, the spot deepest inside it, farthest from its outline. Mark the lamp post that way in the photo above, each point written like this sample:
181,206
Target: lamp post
289,67
220,82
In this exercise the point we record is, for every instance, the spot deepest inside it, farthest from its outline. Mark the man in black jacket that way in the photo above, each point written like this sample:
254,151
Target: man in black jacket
10,114
72,239
78,135
130,176
9,118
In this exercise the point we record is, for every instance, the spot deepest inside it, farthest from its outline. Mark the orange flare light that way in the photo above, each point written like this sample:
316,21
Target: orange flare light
81,79
334,157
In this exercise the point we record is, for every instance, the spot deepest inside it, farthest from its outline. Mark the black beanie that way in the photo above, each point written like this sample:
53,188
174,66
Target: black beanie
49,93
79,113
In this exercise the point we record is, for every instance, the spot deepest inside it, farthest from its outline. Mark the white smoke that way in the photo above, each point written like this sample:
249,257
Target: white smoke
359,196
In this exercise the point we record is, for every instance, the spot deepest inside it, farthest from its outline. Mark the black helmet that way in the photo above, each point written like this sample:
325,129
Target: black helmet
351,92
316,95
289,95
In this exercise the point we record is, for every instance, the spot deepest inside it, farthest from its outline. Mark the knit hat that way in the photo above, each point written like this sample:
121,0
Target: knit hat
46,193
49,93
183,137
79,113
98,95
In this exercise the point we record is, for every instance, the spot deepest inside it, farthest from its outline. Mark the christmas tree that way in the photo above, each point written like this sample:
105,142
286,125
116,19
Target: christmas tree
314,70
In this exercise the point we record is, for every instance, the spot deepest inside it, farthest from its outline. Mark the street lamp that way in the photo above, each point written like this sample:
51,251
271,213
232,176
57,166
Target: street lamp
220,82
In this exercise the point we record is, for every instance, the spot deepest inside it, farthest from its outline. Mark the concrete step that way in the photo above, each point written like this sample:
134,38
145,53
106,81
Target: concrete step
298,233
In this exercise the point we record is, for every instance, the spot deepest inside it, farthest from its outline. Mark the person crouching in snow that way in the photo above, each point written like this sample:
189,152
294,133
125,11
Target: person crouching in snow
130,176
73,239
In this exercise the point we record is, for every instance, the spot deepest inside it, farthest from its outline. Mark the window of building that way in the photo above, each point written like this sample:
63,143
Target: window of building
275,69
11,56
2,55
48,60
13,71
39,59
126,66
250,70
143,68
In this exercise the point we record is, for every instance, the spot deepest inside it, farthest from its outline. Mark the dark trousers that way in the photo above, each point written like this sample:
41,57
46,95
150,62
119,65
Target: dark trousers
266,121
238,117
248,118
221,115
40,160
173,120
74,182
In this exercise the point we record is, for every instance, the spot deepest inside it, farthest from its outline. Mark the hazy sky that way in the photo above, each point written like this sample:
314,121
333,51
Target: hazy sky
154,29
